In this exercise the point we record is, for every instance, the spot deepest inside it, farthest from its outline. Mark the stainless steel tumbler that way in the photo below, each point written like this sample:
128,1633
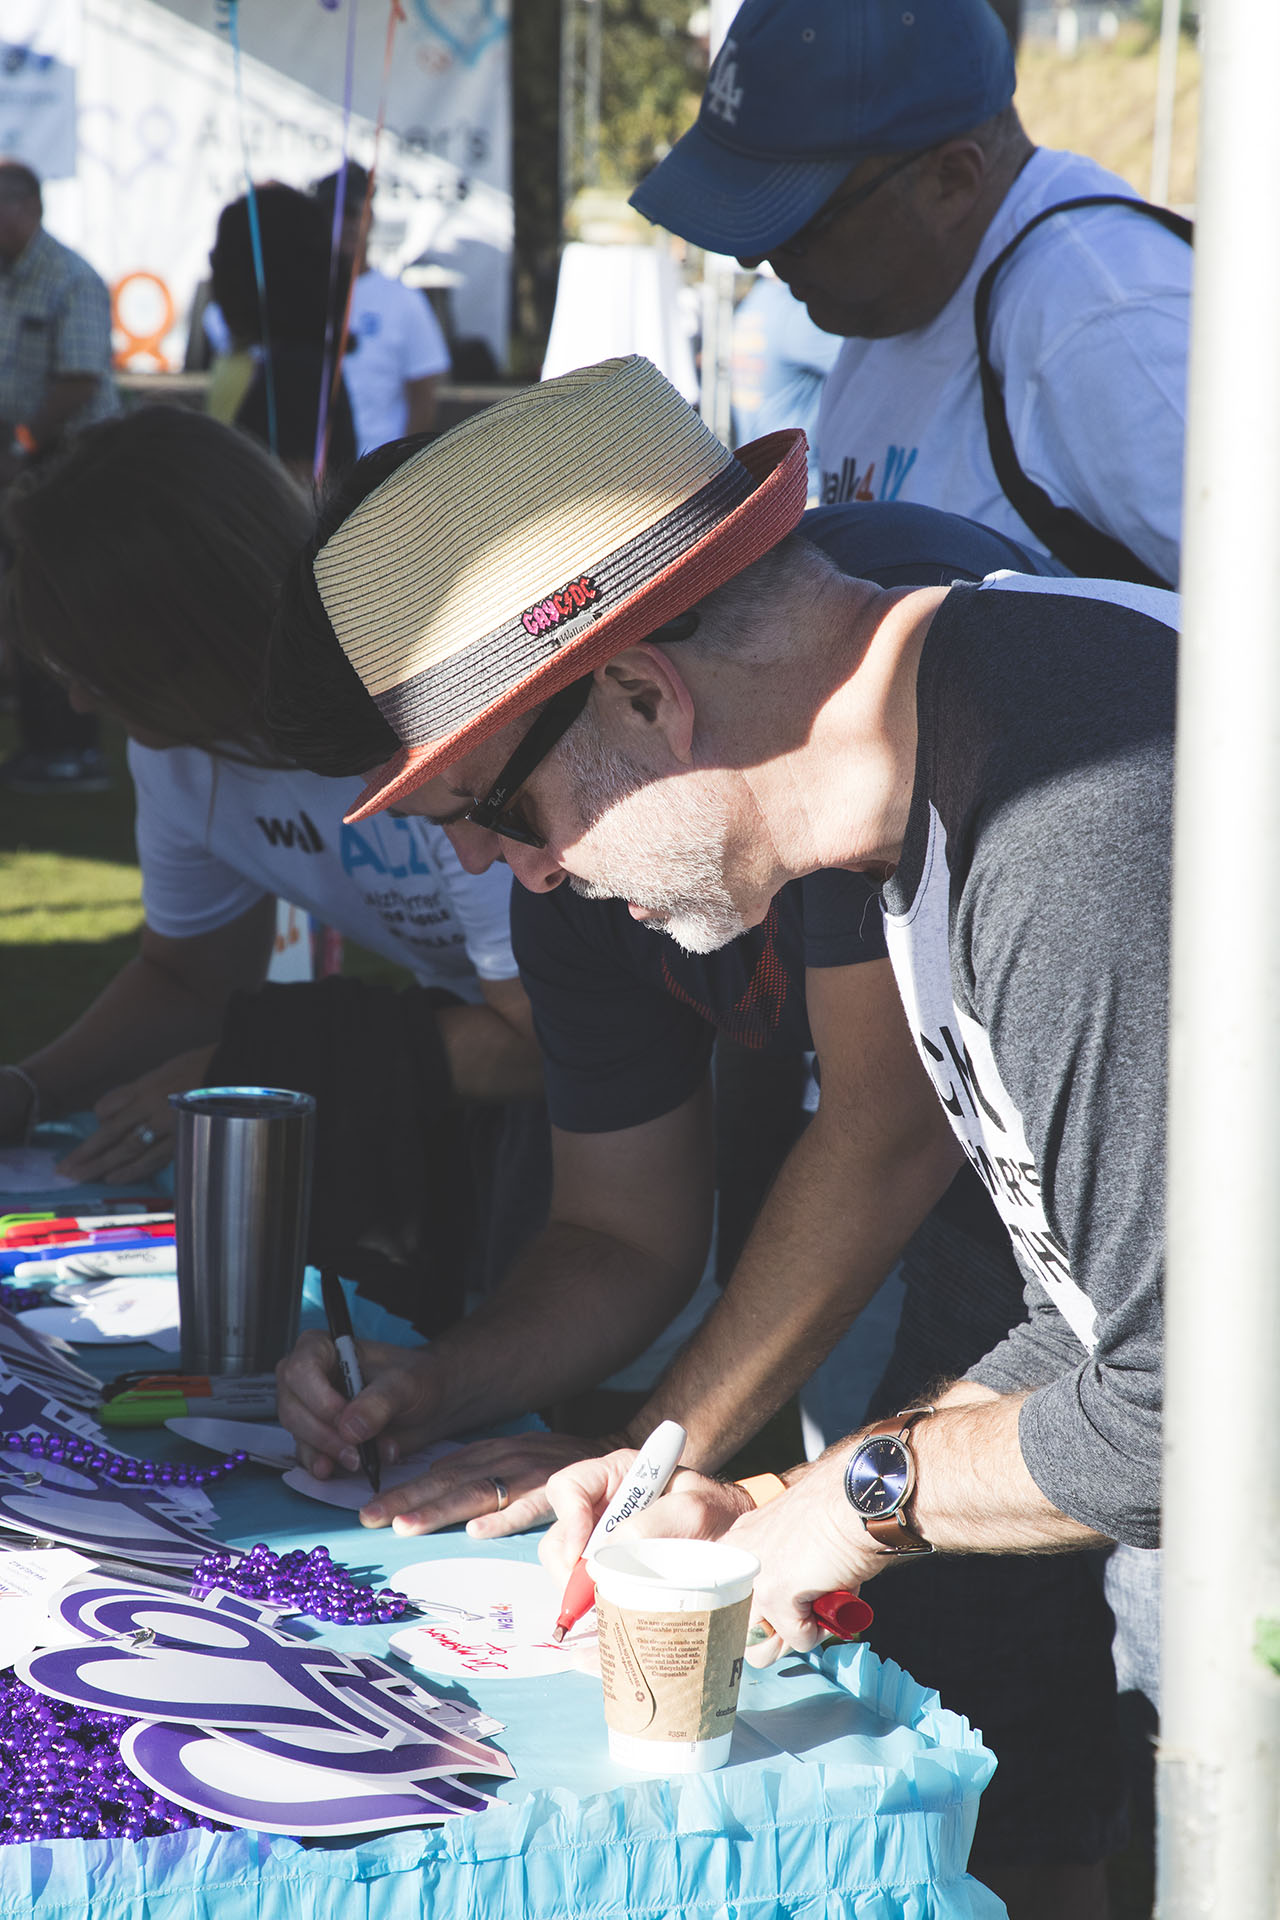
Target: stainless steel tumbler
242,1197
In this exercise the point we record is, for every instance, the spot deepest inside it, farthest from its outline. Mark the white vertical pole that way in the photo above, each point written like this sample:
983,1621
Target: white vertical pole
717,290
570,156
592,58
1166,97
1220,1743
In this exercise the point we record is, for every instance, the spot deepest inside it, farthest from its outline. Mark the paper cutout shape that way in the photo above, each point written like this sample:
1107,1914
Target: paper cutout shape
352,1491
263,1441
213,1776
31,1170
119,1311
486,1620
284,1701
99,1516
23,1406
41,1361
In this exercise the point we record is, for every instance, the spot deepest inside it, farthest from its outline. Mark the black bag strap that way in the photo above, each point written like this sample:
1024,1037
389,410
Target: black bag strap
1066,534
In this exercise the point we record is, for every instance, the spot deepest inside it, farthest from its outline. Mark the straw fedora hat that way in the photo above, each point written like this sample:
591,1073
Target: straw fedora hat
533,543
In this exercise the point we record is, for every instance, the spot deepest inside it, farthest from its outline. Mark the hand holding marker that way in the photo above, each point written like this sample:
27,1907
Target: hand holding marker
335,1310
844,1614
654,1465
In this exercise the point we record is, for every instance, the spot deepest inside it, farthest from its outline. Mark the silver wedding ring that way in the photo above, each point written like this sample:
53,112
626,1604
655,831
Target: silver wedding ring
147,1135
500,1489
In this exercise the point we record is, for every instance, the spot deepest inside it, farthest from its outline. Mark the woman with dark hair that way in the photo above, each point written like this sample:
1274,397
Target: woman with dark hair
270,383
145,568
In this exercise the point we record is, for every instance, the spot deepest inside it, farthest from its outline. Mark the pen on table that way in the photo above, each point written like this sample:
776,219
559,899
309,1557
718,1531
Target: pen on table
95,1212
11,1258
150,1403
66,1226
654,1465
335,1312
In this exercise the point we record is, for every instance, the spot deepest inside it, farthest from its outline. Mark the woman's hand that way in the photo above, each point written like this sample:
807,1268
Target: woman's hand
136,1124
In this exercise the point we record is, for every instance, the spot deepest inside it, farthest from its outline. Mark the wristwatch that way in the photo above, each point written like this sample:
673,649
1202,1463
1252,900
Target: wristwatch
880,1480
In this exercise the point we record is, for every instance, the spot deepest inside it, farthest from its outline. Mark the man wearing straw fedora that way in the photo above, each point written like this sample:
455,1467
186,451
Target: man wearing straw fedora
575,633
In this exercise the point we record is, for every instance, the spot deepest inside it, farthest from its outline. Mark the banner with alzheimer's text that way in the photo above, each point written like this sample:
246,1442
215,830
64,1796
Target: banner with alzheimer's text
163,137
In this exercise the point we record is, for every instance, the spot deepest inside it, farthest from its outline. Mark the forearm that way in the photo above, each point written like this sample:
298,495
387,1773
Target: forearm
577,1306
489,1058
974,1492
143,1018
829,1232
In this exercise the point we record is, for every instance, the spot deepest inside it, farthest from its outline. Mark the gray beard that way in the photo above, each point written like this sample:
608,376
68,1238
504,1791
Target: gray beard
667,856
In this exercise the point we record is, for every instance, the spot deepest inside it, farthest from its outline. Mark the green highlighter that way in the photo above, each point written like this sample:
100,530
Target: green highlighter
251,1398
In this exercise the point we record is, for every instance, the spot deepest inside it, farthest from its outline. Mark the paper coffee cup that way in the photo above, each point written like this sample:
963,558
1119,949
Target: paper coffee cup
672,1618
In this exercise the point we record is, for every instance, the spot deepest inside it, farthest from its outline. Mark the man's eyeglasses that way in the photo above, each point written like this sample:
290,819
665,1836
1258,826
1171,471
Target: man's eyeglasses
827,216
496,812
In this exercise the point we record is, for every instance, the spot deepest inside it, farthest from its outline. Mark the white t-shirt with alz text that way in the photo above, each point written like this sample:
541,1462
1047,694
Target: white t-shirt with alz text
214,836
399,339
1089,329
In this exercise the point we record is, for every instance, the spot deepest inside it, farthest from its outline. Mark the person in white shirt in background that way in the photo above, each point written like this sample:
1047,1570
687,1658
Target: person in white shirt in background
396,351
144,566
875,158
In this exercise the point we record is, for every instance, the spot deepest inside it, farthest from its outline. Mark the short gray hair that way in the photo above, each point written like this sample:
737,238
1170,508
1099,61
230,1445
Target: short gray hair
747,619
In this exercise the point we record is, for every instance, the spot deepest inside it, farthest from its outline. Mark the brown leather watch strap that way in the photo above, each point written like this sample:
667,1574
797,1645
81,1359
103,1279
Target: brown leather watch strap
893,1532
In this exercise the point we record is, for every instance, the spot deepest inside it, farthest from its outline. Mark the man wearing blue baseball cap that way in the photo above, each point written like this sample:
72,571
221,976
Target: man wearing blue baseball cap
1015,320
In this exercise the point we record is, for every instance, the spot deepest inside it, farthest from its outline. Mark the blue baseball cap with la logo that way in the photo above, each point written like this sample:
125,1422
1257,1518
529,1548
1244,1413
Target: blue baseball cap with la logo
802,90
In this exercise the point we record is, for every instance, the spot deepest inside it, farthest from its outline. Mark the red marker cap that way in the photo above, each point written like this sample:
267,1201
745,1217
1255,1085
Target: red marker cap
842,1613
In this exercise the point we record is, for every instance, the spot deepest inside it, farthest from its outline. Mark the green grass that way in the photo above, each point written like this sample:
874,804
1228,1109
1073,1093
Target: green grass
70,901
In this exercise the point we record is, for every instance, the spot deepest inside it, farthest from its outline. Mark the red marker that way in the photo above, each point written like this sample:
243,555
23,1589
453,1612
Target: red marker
654,1465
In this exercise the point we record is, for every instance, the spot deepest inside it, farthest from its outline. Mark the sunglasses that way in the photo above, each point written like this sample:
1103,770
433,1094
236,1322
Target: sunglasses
826,217
498,811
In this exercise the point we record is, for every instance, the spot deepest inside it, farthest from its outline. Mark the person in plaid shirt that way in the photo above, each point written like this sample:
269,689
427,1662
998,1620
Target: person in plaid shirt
55,376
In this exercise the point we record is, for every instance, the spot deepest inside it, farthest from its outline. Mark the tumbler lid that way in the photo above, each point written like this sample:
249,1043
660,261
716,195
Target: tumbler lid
244,1103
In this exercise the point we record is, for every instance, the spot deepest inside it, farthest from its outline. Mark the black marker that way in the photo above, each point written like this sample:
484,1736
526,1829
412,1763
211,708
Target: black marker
335,1312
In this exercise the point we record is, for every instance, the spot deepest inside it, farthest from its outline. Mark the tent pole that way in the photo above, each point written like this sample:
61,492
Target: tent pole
1220,1740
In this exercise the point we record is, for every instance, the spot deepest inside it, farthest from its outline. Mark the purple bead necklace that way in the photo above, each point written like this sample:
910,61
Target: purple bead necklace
310,1583
62,1777
17,1299
69,1450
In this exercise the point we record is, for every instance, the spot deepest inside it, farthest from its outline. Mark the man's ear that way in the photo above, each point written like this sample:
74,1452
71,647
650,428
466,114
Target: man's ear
642,696
956,179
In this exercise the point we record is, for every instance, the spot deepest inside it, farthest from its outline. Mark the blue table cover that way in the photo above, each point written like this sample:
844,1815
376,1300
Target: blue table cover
851,1793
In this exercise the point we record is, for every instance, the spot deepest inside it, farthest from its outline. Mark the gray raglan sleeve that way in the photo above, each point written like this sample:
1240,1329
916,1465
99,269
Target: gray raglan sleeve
1066,923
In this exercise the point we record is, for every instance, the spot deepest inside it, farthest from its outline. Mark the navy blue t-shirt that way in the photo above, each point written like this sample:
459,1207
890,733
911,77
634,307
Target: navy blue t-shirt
627,1019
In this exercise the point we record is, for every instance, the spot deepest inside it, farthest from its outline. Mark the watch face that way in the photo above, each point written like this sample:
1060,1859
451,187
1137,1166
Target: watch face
879,1476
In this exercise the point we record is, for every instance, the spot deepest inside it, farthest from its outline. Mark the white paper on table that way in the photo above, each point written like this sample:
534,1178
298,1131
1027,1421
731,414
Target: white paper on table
27,1582
263,1441
352,1490
486,1620
117,1310
31,1170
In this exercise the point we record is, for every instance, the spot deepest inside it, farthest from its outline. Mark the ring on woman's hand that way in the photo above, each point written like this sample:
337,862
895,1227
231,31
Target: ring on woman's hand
499,1487
147,1135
